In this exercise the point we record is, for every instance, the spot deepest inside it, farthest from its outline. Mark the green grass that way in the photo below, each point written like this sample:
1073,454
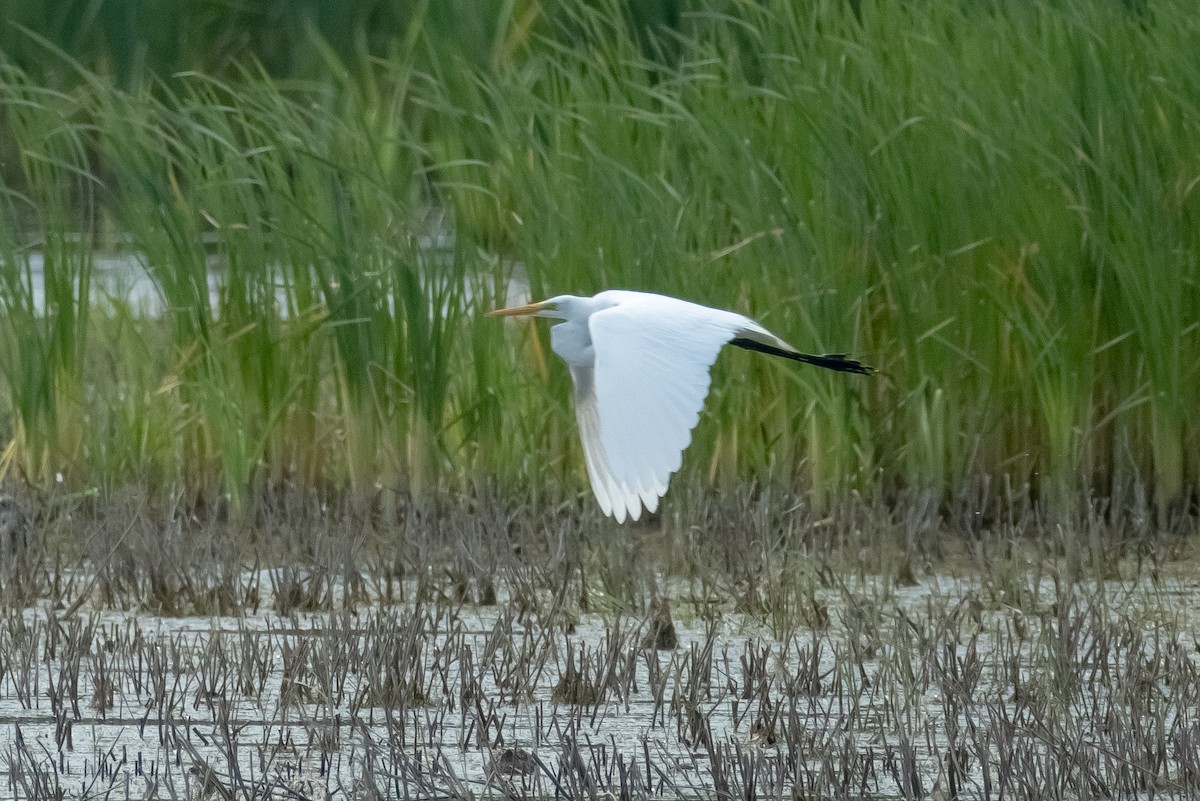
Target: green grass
997,206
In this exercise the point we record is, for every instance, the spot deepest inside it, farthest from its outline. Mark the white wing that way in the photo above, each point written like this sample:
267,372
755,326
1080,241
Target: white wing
637,408
604,486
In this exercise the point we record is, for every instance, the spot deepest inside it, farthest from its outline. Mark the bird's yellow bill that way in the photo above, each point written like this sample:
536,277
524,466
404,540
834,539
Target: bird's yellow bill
531,308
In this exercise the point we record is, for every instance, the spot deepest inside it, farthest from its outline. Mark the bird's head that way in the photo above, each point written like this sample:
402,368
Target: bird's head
556,308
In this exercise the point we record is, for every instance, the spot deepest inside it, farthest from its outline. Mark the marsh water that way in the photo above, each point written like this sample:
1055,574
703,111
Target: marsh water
122,279
944,687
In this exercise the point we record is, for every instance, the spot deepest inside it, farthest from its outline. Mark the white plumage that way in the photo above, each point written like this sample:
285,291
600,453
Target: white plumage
640,365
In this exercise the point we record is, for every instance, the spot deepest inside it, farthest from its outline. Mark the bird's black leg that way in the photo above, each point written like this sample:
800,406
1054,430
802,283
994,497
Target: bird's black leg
833,361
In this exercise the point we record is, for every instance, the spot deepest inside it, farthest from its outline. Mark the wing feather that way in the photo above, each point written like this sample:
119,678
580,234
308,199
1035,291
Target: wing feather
607,493
649,379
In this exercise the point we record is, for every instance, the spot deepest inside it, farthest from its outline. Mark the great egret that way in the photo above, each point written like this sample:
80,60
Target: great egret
640,364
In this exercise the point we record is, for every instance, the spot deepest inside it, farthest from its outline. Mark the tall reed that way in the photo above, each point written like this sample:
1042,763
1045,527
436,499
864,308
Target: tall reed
994,205
50,219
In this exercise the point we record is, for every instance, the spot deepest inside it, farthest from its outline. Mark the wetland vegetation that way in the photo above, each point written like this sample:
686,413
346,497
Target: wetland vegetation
995,206
310,524
506,651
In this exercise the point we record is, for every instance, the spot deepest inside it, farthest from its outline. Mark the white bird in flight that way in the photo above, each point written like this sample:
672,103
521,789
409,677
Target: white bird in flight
640,364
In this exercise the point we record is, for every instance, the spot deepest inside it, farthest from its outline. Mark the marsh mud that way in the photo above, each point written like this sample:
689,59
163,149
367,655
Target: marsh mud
947,688
754,647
